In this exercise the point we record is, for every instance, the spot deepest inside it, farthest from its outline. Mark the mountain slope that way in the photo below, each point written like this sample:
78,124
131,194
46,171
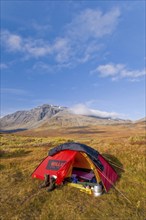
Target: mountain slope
142,120
67,119
29,119
49,115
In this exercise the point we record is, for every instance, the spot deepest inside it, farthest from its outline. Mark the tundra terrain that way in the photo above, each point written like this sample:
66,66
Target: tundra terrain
21,152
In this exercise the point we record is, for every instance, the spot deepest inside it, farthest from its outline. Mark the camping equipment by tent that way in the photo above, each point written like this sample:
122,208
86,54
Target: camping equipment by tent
79,164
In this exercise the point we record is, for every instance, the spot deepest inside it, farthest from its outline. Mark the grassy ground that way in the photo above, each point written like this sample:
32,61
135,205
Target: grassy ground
22,152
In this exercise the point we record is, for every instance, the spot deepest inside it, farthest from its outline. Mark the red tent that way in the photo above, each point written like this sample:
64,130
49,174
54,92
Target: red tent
70,158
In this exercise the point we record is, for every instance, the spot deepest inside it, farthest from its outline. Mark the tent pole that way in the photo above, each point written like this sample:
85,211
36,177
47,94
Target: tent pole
113,163
115,187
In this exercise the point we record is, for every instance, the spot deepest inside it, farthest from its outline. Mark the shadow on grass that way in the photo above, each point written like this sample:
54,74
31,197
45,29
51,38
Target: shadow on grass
12,131
13,154
78,127
85,132
115,163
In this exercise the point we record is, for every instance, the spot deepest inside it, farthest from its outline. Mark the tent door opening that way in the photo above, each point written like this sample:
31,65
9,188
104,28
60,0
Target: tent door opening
83,169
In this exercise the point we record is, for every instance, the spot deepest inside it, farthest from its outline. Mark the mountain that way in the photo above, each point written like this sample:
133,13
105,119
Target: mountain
29,119
68,119
141,121
50,115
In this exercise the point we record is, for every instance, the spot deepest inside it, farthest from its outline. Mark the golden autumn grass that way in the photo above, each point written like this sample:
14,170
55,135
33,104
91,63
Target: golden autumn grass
22,152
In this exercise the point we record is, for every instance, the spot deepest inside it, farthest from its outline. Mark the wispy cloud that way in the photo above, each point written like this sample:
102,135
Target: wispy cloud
93,23
42,67
118,71
3,66
85,31
82,109
27,46
41,27
14,42
62,49
13,91
77,44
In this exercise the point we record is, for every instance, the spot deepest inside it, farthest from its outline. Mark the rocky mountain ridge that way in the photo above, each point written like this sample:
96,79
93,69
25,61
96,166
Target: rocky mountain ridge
50,115
30,118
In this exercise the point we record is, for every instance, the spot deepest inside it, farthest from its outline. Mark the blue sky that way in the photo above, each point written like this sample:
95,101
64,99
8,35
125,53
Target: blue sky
86,55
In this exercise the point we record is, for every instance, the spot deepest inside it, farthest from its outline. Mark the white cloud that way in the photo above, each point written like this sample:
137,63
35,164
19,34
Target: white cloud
118,71
62,48
132,73
27,46
36,50
77,44
82,109
89,51
13,42
86,29
109,69
92,23
36,47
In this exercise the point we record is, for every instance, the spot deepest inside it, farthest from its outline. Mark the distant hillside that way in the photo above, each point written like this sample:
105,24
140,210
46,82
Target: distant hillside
49,115
29,119
141,121
67,119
